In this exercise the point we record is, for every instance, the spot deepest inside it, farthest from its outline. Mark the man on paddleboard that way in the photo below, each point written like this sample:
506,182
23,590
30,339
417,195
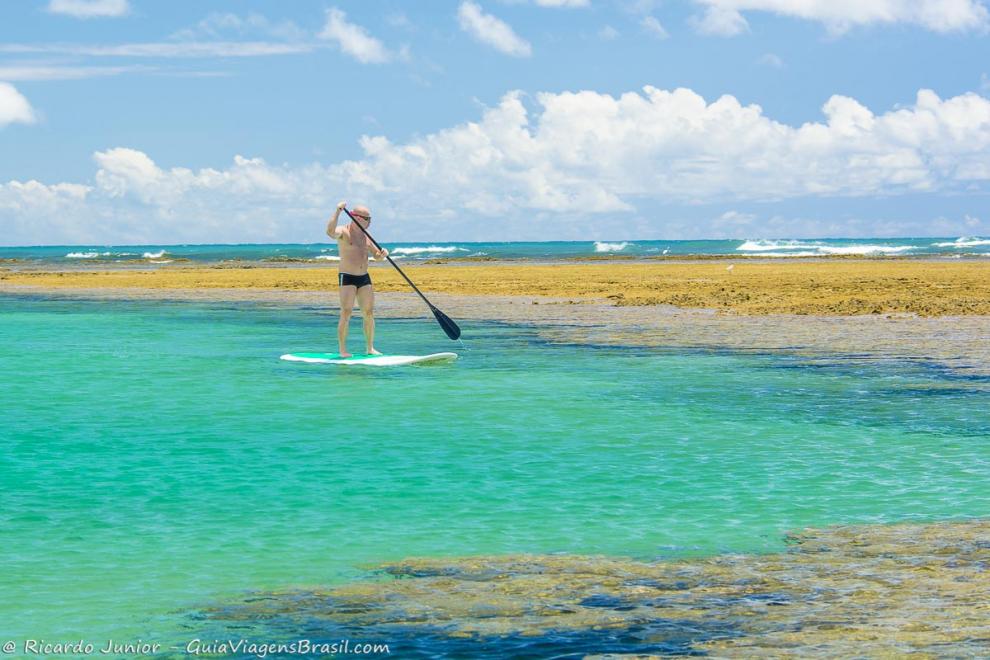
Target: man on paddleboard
354,247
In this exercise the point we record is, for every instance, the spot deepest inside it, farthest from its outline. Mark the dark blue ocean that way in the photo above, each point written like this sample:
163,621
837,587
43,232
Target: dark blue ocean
468,251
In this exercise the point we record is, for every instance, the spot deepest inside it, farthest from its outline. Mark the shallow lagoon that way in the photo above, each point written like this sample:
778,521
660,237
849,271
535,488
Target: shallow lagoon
157,456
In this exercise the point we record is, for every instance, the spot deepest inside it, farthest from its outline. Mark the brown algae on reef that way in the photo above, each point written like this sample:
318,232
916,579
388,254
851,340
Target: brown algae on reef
862,287
871,590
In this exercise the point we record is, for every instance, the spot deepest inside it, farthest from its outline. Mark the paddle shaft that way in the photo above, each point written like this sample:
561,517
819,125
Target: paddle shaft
375,243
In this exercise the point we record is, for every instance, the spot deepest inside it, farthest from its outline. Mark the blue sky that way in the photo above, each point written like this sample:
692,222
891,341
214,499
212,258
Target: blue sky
141,121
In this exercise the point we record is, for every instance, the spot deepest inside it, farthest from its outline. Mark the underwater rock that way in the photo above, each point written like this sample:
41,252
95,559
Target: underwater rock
861,590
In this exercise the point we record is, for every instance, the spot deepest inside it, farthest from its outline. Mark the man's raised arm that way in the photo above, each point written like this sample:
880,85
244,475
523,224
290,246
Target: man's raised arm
333,231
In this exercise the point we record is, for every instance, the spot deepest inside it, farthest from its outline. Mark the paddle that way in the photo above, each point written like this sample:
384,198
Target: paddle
445,322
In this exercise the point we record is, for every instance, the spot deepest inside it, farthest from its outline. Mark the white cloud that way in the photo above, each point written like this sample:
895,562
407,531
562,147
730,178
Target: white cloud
217,25
491,31
400,20
771,60
89,8
353,39
37,214
588,152
721,21
14,108
654,27
563,3
725,17
576,154
190,49
62,72
674,145
134,200
131,173
736,217
217,35
608,33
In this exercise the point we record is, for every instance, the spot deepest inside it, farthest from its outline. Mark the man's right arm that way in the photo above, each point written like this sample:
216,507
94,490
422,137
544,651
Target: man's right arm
333,231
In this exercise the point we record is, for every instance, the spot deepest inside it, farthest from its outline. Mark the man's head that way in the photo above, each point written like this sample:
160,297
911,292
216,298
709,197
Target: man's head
362,215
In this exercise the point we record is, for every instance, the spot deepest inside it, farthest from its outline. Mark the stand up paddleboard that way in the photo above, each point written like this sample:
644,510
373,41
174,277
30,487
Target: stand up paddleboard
370,360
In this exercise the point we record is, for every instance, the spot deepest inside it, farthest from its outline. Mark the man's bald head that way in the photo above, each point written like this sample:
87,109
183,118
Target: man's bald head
361,212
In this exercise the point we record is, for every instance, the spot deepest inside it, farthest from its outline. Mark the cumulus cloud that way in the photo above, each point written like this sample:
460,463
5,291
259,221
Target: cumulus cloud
491,31
353,39
34,213
725,17
14,107
134,200
554,155
587,151
89,8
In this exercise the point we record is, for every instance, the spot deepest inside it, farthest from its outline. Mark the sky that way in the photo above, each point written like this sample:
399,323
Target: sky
222,121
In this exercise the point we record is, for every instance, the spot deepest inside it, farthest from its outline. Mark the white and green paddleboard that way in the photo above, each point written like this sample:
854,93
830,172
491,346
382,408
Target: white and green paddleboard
370,360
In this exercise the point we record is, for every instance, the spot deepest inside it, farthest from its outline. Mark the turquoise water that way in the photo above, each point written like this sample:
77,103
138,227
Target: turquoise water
156,456
103,255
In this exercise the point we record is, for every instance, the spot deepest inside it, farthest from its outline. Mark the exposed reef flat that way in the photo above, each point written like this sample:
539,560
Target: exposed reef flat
842,287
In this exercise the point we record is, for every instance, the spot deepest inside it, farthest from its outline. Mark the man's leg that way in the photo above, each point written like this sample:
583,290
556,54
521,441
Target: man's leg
347,294
366,299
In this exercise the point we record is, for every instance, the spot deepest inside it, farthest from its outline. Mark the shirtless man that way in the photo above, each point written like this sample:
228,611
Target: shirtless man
354,247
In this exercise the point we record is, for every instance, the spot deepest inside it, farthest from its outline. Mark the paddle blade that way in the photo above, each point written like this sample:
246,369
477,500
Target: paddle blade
446,323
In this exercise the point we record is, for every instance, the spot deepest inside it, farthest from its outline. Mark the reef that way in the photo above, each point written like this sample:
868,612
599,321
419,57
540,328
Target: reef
864,591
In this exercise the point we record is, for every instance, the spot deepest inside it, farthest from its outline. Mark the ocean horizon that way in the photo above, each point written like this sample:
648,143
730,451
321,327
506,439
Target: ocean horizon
162,253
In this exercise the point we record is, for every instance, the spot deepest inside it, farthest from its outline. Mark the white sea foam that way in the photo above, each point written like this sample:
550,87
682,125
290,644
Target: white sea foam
153,255
766,248
428,249
865,249
802,253
601,246
964,241
88,255
160,261
328,257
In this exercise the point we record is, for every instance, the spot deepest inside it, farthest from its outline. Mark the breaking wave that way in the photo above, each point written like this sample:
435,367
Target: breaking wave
794,248
601,246
429,249
964,242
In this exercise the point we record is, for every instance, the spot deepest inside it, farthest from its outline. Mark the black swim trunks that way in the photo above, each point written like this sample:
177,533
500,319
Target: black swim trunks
346,279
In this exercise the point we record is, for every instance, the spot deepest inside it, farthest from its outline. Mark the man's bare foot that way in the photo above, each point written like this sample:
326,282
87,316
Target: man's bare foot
372,351
345,354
